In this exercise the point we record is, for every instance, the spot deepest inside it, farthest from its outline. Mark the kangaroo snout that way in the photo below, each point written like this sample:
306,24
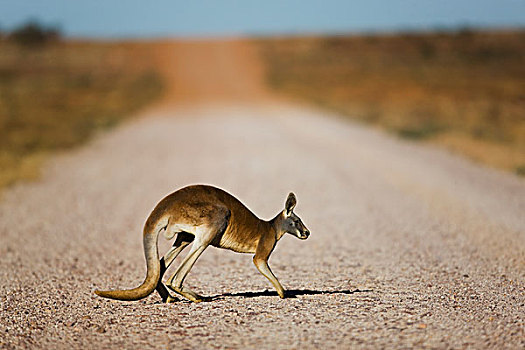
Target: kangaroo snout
304,235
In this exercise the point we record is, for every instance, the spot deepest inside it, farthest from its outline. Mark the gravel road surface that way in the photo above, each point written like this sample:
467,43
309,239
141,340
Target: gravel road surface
410,246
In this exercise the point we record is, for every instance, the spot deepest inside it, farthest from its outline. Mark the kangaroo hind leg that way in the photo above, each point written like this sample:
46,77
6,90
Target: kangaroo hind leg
215,225
175,282
182,241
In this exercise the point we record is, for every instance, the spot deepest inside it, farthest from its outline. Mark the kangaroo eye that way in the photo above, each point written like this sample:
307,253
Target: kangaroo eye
292,223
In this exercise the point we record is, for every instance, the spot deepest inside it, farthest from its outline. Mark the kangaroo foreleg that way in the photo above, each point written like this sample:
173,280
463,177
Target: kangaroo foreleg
262,266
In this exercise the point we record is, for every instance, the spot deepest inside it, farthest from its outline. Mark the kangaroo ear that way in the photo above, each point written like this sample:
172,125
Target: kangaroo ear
291,201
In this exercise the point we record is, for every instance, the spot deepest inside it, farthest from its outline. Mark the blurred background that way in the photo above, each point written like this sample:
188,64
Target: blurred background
447,72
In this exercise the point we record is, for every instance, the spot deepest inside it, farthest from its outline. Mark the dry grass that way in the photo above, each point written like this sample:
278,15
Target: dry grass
464,90
56,96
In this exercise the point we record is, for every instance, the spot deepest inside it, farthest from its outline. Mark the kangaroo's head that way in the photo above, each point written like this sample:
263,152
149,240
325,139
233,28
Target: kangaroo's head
291,223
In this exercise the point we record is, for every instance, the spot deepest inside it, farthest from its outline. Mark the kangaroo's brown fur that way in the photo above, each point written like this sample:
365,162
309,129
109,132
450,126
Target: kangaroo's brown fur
206,215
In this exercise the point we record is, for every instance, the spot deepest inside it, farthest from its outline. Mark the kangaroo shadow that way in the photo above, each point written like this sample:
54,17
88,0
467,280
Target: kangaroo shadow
290,293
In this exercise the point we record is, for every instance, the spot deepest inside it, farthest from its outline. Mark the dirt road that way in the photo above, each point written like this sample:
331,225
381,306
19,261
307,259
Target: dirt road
410,246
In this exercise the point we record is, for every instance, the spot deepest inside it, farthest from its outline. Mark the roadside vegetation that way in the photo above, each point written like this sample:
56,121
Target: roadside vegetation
55,94
464,90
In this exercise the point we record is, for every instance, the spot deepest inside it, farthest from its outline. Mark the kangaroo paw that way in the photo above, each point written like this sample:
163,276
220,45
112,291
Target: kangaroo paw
189,294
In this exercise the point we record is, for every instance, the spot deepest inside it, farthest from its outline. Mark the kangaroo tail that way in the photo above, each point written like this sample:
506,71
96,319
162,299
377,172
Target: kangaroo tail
151,235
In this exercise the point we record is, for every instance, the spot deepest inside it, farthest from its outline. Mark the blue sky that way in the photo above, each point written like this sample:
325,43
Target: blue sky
134,18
